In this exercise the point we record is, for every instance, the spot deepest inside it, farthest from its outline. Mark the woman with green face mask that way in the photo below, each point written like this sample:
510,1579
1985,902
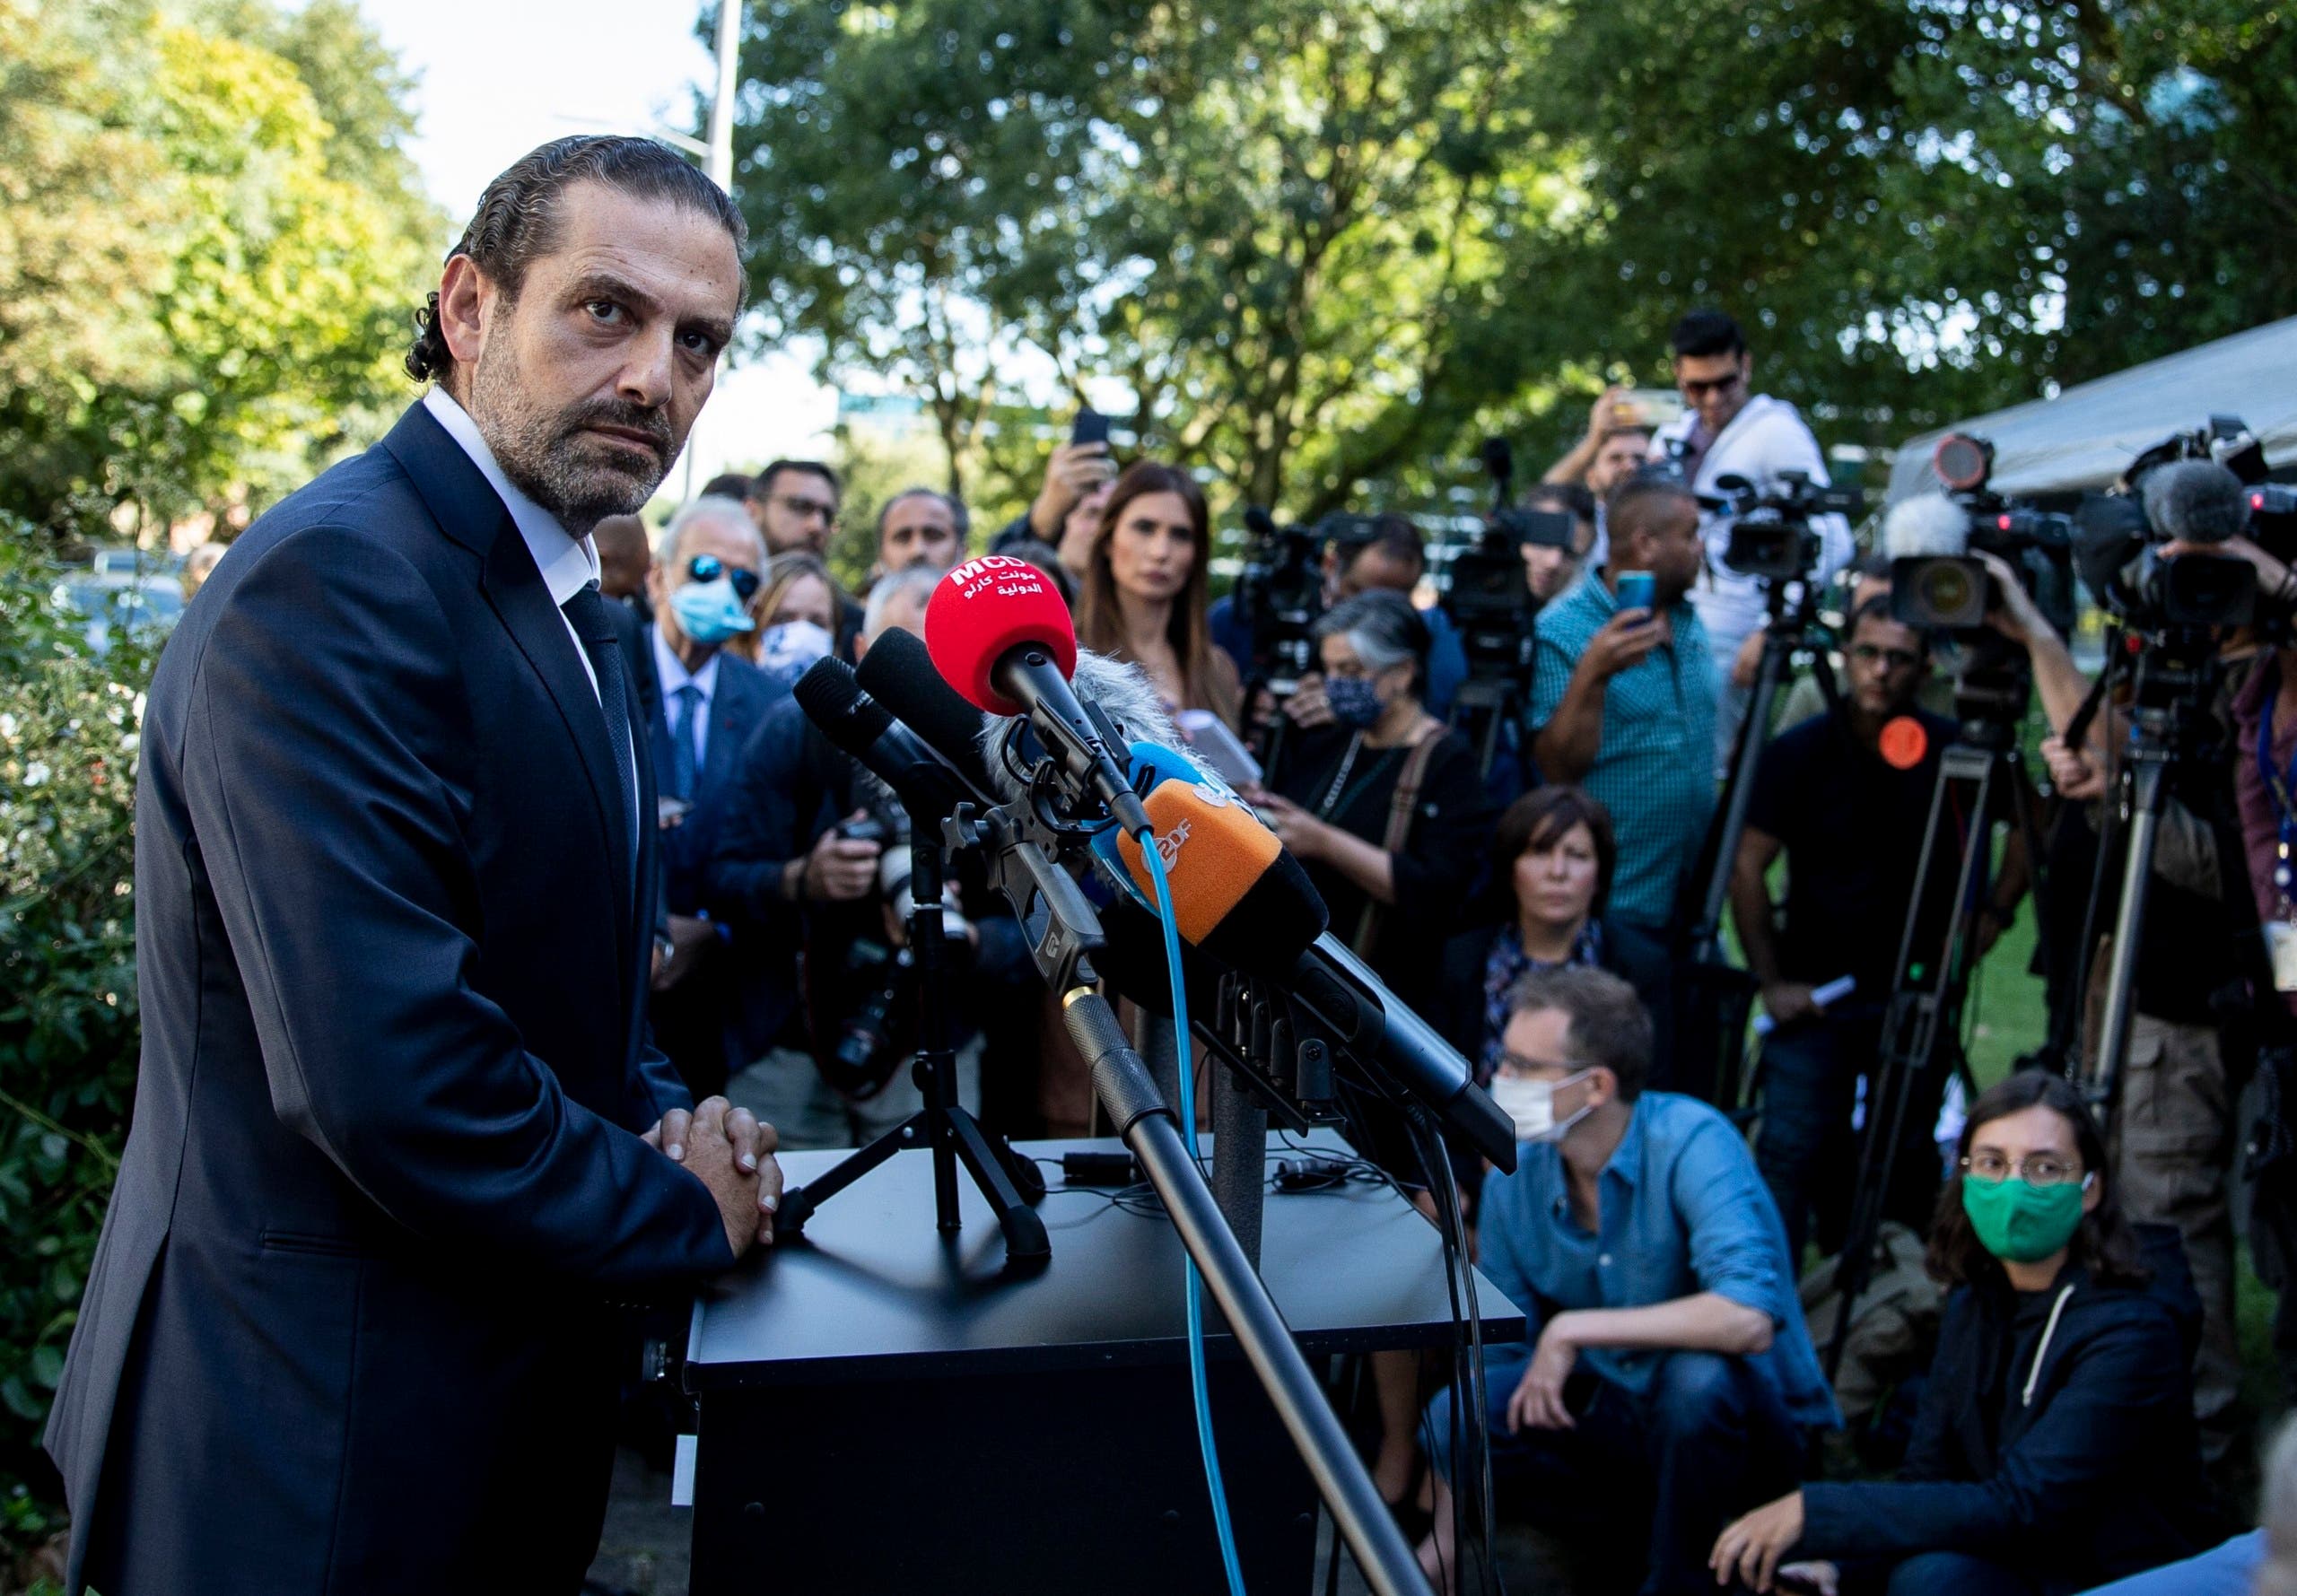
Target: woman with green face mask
2055,1447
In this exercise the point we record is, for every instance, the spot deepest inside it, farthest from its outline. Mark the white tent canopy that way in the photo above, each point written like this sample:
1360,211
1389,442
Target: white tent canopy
2083,438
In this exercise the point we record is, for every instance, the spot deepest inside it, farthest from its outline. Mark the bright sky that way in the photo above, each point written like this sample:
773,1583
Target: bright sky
501,76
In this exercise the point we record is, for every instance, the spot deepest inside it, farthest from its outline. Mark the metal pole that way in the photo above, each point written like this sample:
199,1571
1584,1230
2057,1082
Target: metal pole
1146,1124
719,164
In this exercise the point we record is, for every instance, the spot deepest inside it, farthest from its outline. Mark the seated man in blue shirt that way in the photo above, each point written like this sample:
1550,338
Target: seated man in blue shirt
1668,1372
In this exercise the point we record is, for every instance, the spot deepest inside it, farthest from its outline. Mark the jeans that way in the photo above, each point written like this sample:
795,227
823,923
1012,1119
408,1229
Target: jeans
1707,1440
1806,1147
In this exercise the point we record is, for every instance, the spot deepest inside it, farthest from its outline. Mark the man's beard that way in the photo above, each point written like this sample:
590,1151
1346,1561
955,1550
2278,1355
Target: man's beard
549,456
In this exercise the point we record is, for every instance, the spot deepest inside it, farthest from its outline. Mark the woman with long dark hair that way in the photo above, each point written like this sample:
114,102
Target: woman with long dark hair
2054,1446
1144,597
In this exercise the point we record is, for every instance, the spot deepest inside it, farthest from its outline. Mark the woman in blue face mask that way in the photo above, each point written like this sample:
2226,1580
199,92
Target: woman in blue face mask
2054,1446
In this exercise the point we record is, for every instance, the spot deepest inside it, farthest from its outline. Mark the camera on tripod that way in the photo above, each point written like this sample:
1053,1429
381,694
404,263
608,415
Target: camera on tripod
1936,579
1771,535
1487,596
2187,491
1278,595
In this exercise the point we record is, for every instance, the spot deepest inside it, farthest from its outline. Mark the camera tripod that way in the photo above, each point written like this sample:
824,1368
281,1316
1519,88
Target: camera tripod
1491,703
1978,773
1715,986
2171,681
943,1125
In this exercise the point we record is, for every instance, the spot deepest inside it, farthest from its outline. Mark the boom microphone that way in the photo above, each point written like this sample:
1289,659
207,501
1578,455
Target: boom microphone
1000,635
1926,527
2195,502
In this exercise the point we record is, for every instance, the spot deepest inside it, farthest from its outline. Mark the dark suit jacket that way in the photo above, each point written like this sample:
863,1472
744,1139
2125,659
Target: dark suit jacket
719,1006
790,784
348,1326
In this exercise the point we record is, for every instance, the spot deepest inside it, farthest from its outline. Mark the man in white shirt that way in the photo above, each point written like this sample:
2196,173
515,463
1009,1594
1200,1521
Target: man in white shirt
1727,430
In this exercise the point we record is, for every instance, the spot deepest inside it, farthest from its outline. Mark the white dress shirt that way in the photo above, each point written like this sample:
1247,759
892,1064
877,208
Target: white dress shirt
568,564
670,671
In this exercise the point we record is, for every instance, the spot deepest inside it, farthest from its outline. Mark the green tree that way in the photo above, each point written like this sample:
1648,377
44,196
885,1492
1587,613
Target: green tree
1292,229
207,283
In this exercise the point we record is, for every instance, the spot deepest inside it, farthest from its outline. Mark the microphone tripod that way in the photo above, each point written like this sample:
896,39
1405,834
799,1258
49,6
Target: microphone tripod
1717,986
1010,1183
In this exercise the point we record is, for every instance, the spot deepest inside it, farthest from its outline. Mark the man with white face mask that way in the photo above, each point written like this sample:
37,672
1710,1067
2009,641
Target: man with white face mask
707,702
1667,1378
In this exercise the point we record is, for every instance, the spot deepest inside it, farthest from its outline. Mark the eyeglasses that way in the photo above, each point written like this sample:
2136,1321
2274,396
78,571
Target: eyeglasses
807,509
709,568
1695,390
1874,654
1568,1066
2036,1169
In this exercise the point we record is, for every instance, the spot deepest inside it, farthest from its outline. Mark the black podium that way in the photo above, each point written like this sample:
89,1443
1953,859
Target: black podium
882,1410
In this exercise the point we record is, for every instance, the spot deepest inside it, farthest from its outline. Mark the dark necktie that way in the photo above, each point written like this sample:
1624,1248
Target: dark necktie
588,613
683,763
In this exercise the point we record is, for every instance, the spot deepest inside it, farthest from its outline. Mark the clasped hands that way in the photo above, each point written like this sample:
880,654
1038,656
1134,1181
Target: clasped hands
729,1150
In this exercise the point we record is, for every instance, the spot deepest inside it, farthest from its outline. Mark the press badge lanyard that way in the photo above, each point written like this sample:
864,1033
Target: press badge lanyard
2280,933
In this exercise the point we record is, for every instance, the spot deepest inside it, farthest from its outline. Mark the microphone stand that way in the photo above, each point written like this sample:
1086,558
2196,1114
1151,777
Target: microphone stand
1063,931
943,1125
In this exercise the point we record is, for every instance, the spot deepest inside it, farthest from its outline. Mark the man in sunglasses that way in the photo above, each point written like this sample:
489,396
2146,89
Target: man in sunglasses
708,701
1728,429
1847,799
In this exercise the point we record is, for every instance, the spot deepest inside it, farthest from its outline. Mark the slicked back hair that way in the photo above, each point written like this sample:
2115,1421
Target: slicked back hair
517,219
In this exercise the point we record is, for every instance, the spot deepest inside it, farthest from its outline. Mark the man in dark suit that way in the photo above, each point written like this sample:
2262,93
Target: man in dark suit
708,703
398,1137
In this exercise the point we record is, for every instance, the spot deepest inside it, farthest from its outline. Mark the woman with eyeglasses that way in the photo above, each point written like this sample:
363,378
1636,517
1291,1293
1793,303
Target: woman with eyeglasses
2054,1446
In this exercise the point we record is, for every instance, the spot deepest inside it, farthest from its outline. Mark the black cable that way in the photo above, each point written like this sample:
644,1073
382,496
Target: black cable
1471,1441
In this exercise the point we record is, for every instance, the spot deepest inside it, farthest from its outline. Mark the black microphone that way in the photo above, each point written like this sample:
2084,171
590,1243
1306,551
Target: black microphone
1367,1020
864,728
899,674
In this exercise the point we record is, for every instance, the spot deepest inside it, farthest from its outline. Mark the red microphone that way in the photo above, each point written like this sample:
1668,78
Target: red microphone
1000,634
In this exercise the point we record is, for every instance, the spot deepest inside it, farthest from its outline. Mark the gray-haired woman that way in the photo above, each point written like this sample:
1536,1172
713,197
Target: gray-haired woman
1384,809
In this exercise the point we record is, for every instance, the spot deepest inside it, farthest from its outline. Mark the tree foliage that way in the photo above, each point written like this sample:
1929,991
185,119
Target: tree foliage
209,243
1324,245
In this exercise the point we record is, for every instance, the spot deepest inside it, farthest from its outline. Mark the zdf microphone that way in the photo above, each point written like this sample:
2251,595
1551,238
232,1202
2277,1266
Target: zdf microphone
1000,635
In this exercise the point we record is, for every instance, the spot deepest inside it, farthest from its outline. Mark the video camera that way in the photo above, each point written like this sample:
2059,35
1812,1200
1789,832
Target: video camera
2188,490
1936,579
1278,595
1772,537
1488,597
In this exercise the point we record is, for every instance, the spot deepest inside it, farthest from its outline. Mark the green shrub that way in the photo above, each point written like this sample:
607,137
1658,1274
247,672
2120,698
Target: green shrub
68,724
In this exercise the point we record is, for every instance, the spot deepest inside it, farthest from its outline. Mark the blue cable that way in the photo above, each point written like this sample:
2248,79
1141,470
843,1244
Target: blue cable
1196,1376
